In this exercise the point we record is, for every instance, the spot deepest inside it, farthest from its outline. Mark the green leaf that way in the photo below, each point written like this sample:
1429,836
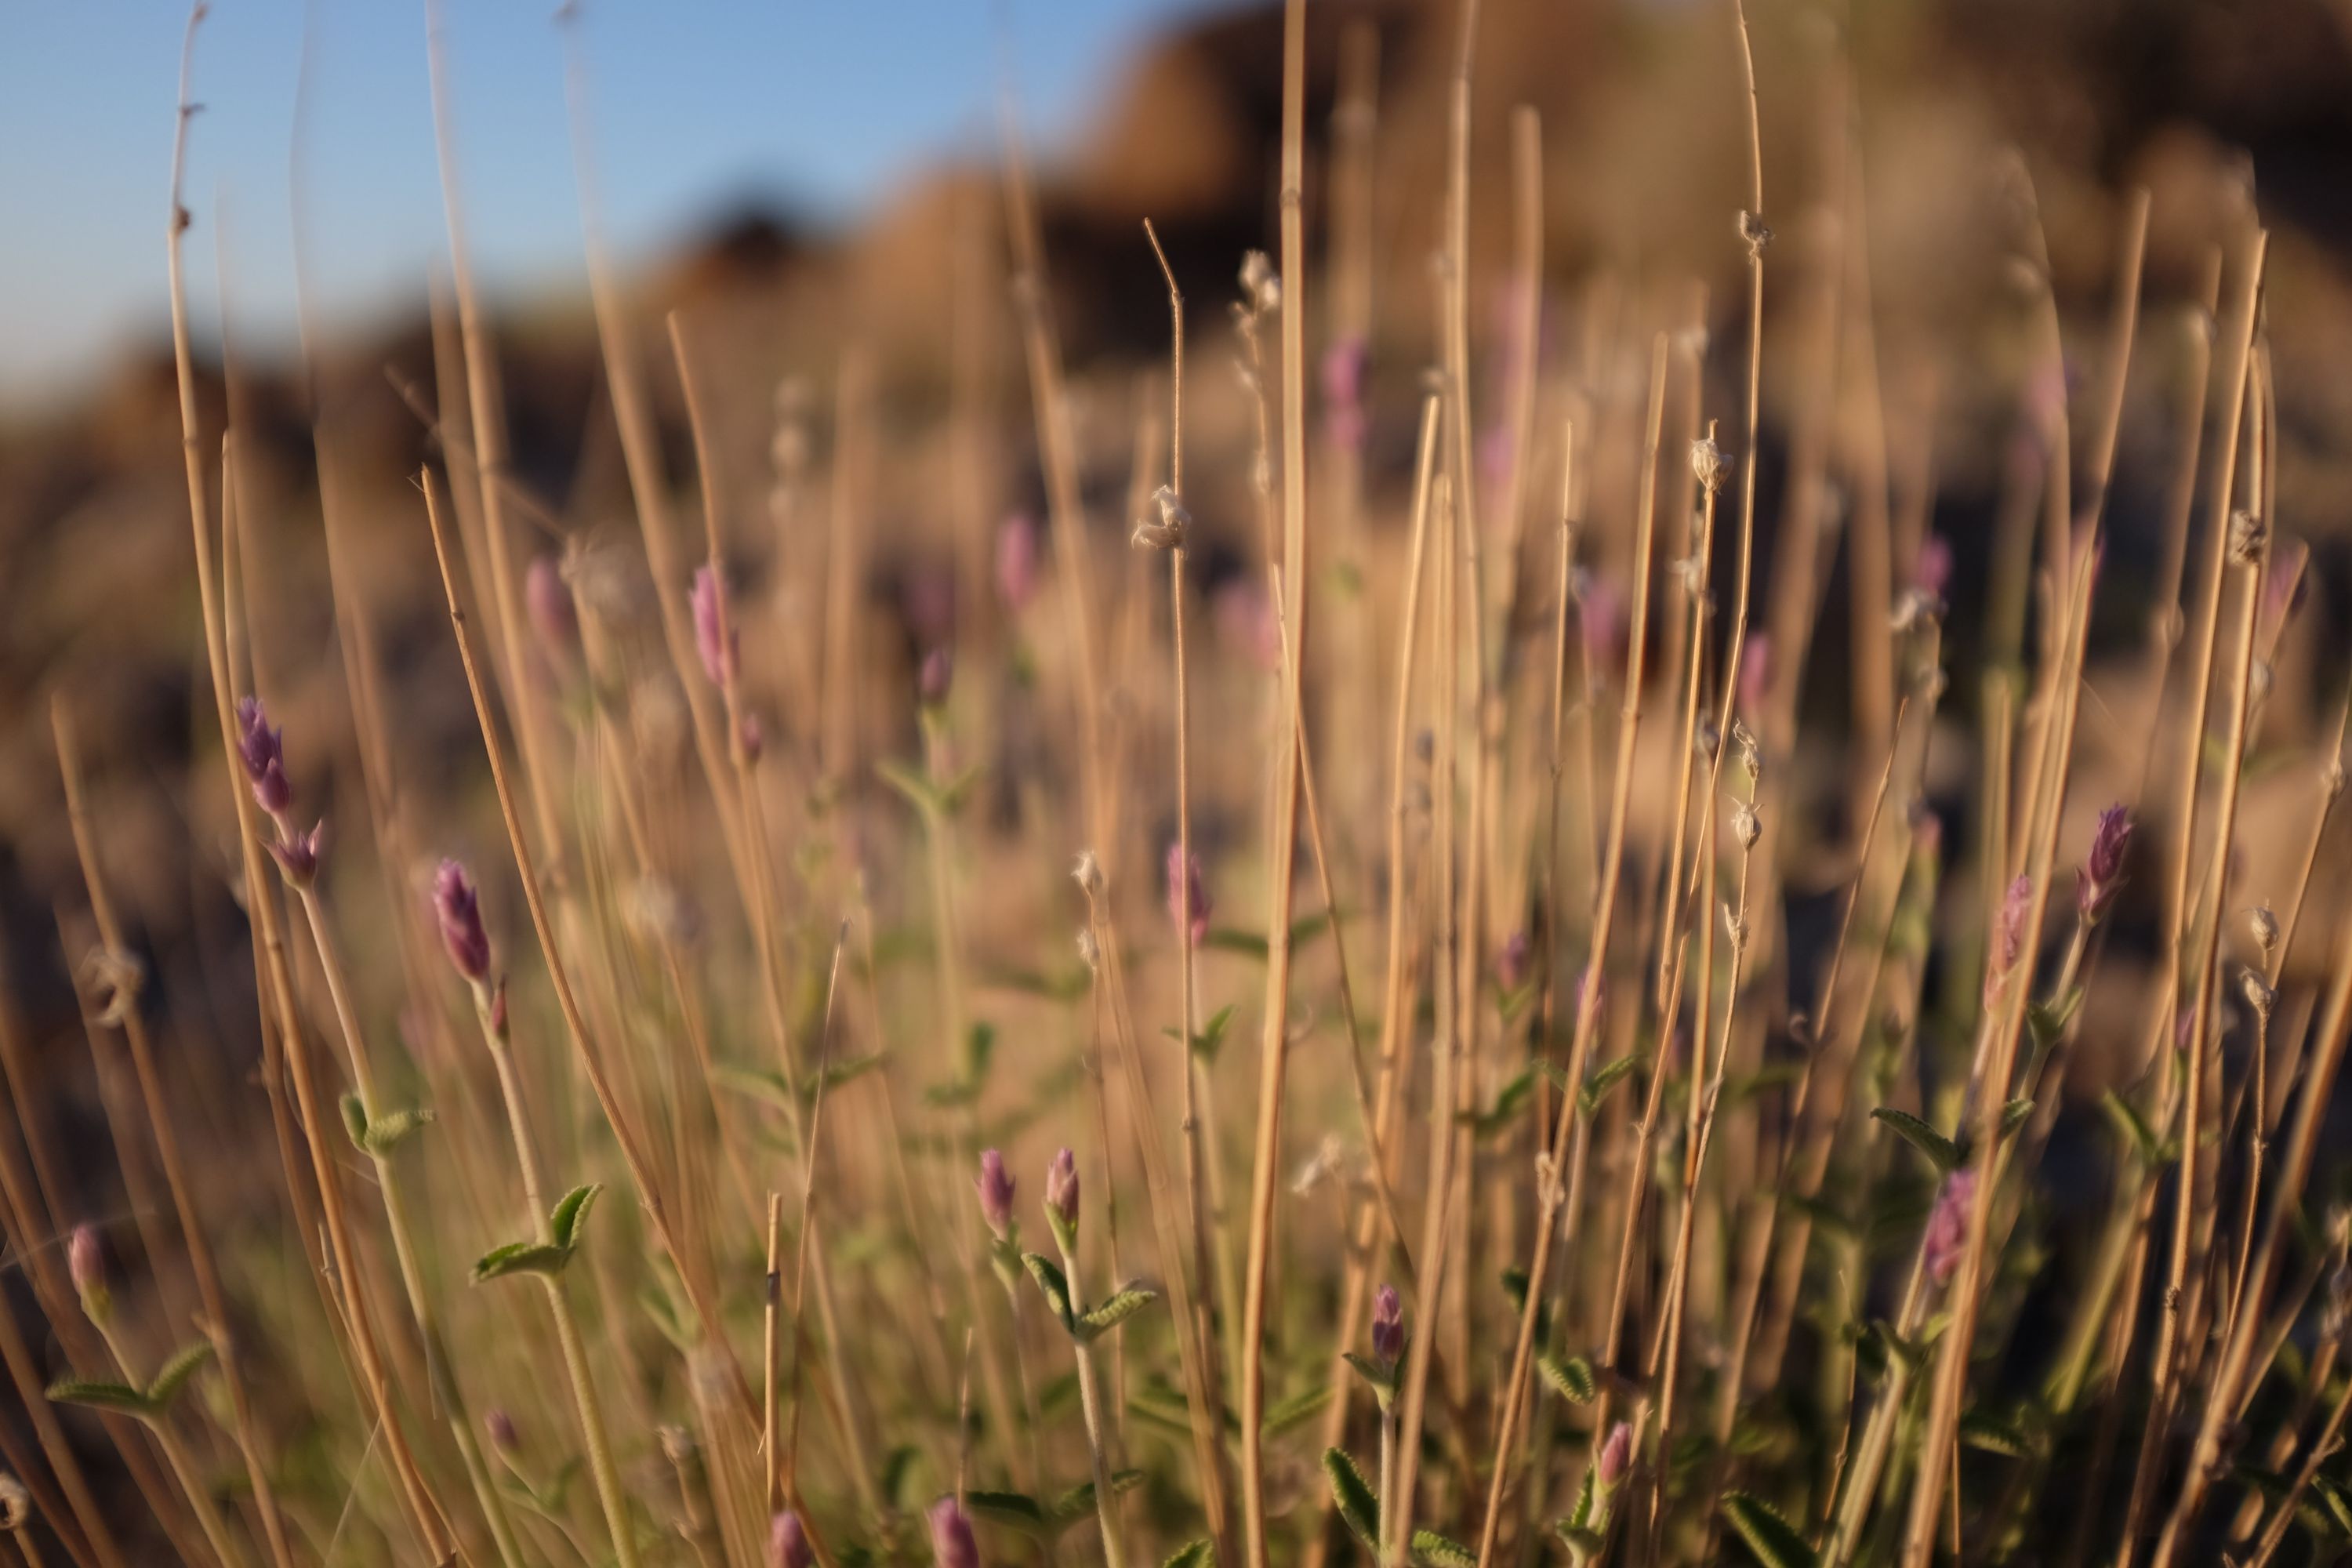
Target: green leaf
355,1120
2048,1020
1435,1551
387,1131
1050,1281
1572,1378
1381,1376
753,1083
173,1374
1996,1434
1201,1553
979,1050
1508,1100
520,1257
911,785
1359,1505
1078,1502
1940,1150
1773,1540
1108,1315
1295,1410
2134,1127
1601,1079
570,1213
2015,1115
1211,1037
116,1397
839,1073
1014,1511
1581,1516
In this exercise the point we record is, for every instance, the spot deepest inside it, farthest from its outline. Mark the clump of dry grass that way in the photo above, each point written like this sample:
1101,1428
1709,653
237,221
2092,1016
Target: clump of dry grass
1669,1211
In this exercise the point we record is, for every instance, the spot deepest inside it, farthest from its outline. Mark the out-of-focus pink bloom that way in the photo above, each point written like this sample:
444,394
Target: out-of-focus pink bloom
262,749
1246,620
85,1259
554,618
1062,1190
1931,571
1515,959
1927,835
935,676
501,1428
1188,895
1755,673
2102,867
1388,1326
1344,418
1601,622
995,1186
952,1545
928,601
1948,1224
714,639
456,909
1016,561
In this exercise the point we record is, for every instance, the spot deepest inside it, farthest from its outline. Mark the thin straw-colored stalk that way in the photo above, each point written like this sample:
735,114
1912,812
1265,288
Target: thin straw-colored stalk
201,1261
1274,1049
1549,1222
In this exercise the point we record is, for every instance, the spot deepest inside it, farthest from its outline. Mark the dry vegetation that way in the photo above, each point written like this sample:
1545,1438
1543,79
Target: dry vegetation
1552,999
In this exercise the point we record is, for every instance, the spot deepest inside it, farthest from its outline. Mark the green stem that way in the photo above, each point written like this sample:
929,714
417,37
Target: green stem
1097,1440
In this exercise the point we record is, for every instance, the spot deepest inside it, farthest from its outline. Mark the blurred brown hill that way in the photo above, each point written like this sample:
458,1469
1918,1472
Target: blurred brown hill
2222,108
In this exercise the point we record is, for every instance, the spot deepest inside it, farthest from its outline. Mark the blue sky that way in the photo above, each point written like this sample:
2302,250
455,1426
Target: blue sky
822,104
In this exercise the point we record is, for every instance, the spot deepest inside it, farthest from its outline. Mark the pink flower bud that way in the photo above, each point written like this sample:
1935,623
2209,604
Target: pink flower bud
788,1545
86,1259
1246,621
456,906
995,1185
1016,561
1062,1190
1188,895
1616,1455
297,854
1931,571
1388,1326
1947,1225
1514,961
714,639
935,676
2103,866
262,749
501,1428
952,1545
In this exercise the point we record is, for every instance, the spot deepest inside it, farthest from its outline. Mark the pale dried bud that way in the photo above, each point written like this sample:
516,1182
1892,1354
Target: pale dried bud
1735,927
1089,949
2250,535
2267,927
1756,233
1751,756
2334,778
2259,995
1261,285
1087,872
1169,532
1745,827
15,1504
1708,464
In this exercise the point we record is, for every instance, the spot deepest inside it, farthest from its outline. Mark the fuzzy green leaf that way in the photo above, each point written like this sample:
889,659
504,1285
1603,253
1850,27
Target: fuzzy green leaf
1293,1411
115,1396
1601,1079
1581,1516
2134,1127
1014,1511
1078,1502
387,1131
1380,1374
1211,1037
1435,1551
173,1374
1050,1279
1108,1315
520,1257
1508,1100
1773,1540
2015,1115
1571,1378
1996,1434
571,1213
1359,1505
2048,1020
1940,1150
1201,1553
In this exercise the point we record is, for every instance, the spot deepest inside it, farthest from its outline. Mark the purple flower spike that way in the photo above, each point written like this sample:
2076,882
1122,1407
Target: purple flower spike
952,1545
1062,1190
788,1545
1616,1455
298,854
1388,1326
714,639
2103,866
1187,891
263,752
1947,1226
457,906
995,1185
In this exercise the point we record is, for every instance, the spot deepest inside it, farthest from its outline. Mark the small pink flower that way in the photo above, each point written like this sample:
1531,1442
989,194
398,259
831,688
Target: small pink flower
935,676
1016,561
995,1186
1616,1455
2102,867
554,618
952,1545
1062,1190
1948,1224
714,639
1188,895
1388,1326
457,908
788,1545
1931,570
1755,673
262,749
1515,959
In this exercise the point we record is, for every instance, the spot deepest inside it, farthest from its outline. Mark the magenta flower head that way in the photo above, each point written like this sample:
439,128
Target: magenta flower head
2102,867
298,853
1515,960
935,676
1616,1456
263,752
788,1545
456,906
1344,419
1388,1326
1188,895
547,604
1016,561
995,1185
952,1545
1948,1224
714,639
1062,1196
86,1265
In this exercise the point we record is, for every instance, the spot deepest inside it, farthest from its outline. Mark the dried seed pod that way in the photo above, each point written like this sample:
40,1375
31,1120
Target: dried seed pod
2259,995
1756,232
2266,927
1088,874
2250,534
1745,827
1708,463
